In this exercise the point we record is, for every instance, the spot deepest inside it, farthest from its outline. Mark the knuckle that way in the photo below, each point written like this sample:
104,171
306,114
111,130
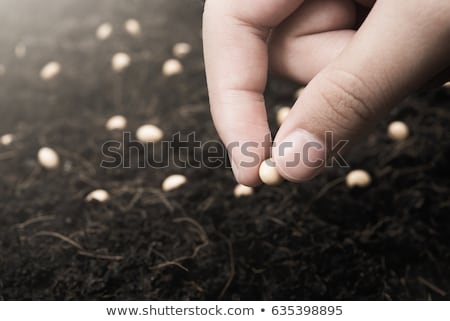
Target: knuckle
351,103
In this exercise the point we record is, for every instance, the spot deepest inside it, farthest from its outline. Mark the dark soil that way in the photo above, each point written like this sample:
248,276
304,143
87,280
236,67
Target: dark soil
317,240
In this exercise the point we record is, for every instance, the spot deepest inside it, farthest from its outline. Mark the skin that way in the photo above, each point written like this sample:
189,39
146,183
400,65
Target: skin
359,59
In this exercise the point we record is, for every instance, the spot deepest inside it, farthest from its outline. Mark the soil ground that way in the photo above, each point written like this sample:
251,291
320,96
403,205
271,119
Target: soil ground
317,240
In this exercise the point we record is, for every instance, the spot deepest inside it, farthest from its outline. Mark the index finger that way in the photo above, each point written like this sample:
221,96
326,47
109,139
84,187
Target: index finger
236,61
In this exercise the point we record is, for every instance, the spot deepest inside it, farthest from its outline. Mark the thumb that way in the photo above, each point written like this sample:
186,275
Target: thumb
394,52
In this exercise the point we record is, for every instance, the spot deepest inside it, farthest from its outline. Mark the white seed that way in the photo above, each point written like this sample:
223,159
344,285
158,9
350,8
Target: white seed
447,84
48,158
6,139
2,70
50,70
269,174
358,178
133,27
242,190
104,31
181,49
173,182
120,61
282,114
398,131
172,67
149,134
20,51
298,92
99,195
117,122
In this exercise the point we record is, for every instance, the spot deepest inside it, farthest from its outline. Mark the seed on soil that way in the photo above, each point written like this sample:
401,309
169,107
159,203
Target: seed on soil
269,174
6,139
173,182
242,190
358,178
50,70
181,49
117,122
48,158
120,61
398,131
172,67
104,31
149,134
20,51
99,195
133,27
282,114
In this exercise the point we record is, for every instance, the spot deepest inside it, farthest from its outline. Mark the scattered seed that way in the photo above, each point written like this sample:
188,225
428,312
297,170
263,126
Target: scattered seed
282,114
298,92
6,139
117,122
149,134
133,27
242,190
104,31
181,49
99,195
269,174
173,182
172,67
398,131
358,178
50,70
120,61
48,158
447,85
20,51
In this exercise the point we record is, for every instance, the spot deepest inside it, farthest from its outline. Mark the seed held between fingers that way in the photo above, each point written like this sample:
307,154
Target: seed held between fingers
282,114
269,174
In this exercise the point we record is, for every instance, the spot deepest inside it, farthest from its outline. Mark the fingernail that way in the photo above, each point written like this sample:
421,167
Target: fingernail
300,156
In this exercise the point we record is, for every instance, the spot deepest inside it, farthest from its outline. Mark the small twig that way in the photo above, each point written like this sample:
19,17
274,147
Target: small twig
137,196
59,236
169,263
200,229
232,268
81,250
35,220
101,256
431,286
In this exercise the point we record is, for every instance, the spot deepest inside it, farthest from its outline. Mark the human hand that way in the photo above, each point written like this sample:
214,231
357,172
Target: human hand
355,72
